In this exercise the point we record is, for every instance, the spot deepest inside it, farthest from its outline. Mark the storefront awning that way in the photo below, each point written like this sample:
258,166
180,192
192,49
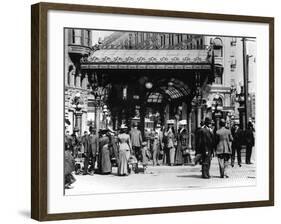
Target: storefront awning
147,59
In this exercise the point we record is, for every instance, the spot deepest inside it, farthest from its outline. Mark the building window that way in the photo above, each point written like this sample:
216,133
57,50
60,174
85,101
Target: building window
142,38
233,41
218,47
218,101
87,37
136,39
162,40
218,79
130,40
201,43
179,36
171,40
233,64
76,36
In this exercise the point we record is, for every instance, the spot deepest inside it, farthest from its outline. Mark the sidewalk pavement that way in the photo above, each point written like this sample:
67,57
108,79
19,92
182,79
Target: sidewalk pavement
163,178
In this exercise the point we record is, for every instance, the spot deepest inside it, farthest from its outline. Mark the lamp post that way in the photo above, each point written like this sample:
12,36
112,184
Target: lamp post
105,115
198,99
217,109
240,98
77,106
99,95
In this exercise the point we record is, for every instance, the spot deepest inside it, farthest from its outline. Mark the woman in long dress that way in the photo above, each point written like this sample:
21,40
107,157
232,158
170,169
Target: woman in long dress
179,152
69,164
124,151
171,145
105,154
181,143
144,155
156,149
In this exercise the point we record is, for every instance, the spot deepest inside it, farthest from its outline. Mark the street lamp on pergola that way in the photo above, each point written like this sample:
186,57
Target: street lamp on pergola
77,106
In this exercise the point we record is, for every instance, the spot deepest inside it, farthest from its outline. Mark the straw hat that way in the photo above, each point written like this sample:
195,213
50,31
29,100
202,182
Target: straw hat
170,121
144,143
123,126
182,122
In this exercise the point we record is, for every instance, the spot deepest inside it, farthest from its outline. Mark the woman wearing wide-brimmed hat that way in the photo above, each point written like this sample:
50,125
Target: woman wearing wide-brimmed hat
124,151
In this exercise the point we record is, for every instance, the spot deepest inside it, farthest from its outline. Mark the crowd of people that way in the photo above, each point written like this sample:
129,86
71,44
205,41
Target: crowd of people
225,143
131,152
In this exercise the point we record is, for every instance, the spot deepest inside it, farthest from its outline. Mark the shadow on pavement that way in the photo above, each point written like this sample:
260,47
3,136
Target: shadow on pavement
192,176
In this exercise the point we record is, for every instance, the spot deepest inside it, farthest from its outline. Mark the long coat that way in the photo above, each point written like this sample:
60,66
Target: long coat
249,137
238,138
93,144
105,163
223,139
182,139
205,143
68,162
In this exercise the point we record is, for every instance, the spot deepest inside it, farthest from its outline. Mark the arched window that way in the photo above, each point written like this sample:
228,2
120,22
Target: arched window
218,47
218,101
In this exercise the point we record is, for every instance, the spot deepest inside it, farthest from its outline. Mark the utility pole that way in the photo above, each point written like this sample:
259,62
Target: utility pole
246,80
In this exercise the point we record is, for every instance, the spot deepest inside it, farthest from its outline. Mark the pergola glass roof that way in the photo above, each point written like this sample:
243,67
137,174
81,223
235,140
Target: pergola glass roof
168,89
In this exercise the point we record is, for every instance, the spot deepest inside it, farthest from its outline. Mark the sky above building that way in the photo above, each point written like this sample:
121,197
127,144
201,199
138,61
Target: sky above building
99,35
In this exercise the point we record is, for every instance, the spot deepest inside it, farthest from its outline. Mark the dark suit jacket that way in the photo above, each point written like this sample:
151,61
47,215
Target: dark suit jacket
238,137
249,137
205,141
224,139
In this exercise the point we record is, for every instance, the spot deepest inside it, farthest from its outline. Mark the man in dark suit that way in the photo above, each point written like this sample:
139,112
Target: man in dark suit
197,158
237,134
85,151
223,149
250,142
93,149
205,146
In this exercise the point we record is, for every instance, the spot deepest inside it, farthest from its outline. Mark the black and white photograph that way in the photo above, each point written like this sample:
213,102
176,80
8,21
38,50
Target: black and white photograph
150,111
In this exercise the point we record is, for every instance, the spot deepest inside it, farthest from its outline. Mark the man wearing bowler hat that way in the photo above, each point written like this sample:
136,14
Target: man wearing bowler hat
206,147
